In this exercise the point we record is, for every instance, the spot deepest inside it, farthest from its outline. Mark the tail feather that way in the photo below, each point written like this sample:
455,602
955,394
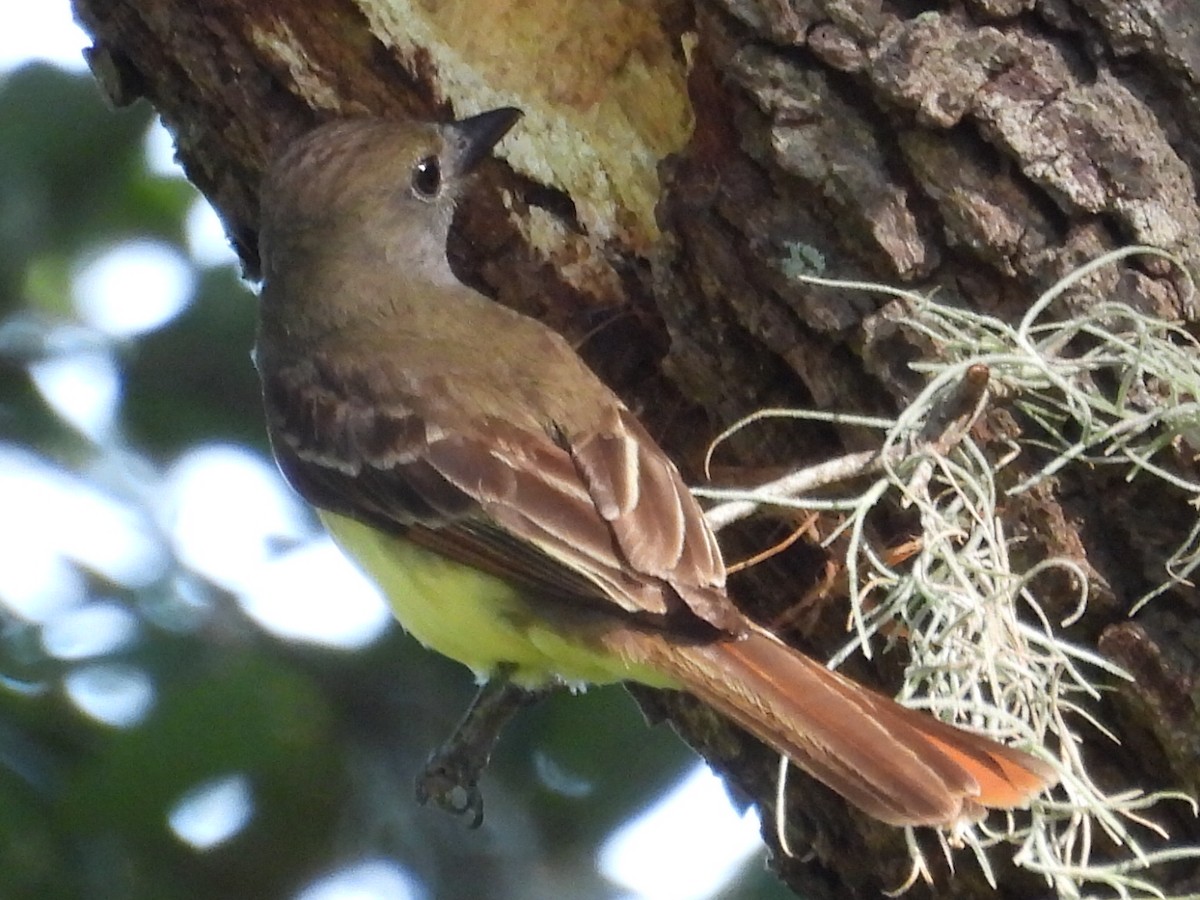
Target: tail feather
899,765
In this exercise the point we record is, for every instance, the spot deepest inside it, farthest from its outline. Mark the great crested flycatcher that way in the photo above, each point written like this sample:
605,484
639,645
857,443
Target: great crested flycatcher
512,509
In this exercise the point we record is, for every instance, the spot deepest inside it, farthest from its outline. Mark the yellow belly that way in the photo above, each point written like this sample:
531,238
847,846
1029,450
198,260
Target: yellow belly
471,616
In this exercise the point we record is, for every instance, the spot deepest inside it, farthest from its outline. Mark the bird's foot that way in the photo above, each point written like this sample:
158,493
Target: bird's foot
450,778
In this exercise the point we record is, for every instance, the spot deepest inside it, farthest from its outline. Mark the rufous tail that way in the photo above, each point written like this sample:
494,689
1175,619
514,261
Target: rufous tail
899,765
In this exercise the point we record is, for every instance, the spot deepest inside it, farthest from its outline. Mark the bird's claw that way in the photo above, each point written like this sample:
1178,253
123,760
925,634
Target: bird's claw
451,782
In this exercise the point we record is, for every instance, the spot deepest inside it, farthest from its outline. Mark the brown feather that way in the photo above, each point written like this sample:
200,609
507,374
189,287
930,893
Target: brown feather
402,398
898,765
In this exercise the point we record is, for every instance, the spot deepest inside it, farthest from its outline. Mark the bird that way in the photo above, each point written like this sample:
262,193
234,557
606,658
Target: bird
512,509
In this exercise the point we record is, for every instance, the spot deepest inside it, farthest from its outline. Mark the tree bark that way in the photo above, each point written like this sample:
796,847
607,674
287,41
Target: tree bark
674,153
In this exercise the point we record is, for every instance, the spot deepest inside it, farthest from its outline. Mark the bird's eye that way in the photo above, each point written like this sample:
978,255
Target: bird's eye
427,178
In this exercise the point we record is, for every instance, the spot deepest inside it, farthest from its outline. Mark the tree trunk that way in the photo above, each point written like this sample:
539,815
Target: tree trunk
674,153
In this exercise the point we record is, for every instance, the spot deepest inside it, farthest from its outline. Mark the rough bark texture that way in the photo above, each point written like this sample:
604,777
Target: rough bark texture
983,149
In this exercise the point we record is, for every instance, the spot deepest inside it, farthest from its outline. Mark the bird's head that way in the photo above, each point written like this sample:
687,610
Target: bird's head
374,182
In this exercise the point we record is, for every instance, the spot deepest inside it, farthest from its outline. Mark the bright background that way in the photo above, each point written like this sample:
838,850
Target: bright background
198,696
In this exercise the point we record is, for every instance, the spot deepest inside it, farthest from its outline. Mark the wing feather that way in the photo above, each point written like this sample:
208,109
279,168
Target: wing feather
601,516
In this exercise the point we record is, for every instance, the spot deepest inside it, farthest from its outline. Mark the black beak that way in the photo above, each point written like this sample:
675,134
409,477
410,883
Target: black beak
476,135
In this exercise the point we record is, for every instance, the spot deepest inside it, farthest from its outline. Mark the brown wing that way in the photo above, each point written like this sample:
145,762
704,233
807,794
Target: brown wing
658,527
599,517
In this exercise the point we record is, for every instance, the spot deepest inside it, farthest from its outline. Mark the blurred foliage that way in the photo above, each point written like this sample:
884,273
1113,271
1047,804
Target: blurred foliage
214,395
329,741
